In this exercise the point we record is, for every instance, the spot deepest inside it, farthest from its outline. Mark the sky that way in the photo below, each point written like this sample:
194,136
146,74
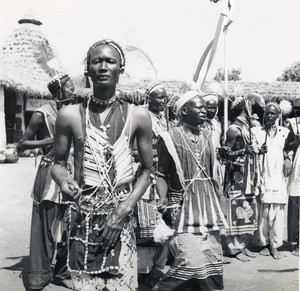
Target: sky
262,41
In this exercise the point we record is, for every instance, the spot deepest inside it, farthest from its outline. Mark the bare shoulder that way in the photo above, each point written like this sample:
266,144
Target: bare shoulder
70,112
139,111
233,131
140,115
68,116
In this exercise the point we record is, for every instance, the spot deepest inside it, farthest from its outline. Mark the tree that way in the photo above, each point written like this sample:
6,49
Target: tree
291,73
233,75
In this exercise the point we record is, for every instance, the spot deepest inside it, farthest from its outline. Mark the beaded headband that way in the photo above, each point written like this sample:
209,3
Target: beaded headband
108,42
152,88
210,97
239,101
275,105
56,82
186,97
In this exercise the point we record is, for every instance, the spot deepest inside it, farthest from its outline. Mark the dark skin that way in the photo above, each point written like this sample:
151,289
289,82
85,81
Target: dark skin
193,114
212,108
271,115
37,126
234,140
293,140
157,100
104,72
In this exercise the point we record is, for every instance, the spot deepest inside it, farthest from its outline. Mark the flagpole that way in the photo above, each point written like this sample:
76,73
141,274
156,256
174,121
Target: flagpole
225,82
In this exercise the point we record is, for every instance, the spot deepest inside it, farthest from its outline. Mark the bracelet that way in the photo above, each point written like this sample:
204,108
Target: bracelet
161,175
151,173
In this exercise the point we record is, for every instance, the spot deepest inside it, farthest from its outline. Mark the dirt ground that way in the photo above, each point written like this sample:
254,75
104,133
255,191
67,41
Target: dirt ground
260,274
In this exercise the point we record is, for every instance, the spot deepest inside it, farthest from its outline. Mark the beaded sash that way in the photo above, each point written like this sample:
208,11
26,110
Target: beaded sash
108,170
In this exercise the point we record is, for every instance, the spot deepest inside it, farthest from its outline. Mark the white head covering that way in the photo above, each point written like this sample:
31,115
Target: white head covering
153,87
186,97
210,97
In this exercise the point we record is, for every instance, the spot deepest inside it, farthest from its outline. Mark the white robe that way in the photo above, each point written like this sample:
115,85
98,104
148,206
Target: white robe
275,184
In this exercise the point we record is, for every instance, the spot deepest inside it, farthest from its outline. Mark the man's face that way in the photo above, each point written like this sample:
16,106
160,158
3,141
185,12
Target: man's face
271,114
104,67
211,108
157,100
194,112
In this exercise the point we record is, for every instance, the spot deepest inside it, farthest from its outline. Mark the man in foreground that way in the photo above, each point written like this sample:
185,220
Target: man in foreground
102,248
185,168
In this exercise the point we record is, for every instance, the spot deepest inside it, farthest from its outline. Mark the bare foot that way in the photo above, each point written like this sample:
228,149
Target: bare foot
265,252
226,260
295,252
275,254
242,257
248,253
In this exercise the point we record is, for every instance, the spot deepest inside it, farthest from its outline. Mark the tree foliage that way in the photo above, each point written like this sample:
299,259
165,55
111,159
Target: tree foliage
233,75
291,73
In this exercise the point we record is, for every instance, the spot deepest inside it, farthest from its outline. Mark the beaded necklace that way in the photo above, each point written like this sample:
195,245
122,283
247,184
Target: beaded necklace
104,102
196,155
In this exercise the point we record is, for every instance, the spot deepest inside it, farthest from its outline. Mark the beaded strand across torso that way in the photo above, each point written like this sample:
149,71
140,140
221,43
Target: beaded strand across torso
200,211
107,174
106,168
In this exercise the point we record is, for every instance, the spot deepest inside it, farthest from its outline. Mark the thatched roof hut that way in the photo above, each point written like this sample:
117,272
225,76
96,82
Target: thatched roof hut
27,63
24,57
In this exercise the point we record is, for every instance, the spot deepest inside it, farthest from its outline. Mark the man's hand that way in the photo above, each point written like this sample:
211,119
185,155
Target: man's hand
70,189
297,140
112,229
264,149
249,149
223,152
287,167
162,206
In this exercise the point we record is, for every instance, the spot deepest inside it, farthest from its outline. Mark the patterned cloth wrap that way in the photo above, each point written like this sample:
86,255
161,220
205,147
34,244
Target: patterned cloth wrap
44,188
147,216
242,183
146,209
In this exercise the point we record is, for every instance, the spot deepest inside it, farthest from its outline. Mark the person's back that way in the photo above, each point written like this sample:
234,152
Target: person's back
239,187
45,194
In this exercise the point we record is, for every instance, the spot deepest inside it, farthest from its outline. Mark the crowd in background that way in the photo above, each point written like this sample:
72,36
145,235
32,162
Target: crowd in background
156,194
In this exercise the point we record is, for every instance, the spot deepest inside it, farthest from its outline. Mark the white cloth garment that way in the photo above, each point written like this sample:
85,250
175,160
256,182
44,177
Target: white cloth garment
270,226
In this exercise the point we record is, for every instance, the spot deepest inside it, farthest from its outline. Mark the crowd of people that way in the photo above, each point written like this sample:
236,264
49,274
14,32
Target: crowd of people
113,173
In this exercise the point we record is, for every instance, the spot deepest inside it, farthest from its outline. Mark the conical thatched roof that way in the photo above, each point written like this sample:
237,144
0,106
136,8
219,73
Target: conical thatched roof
24,60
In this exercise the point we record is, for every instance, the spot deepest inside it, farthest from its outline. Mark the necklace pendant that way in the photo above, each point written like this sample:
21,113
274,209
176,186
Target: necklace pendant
197,153
103,128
